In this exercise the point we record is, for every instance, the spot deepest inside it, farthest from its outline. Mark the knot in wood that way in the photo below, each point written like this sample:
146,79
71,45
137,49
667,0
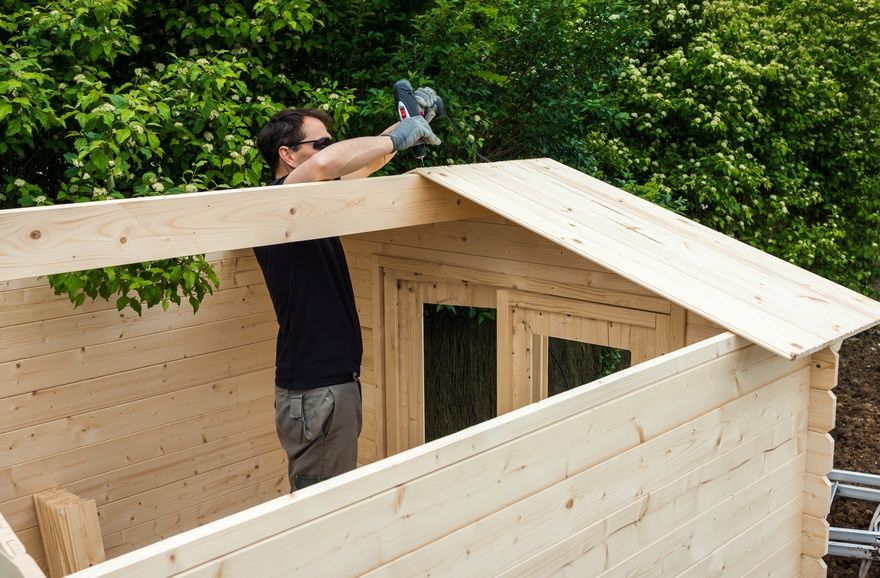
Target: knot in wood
35,234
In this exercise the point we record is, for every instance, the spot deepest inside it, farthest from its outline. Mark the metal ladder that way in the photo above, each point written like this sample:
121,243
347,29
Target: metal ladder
848,542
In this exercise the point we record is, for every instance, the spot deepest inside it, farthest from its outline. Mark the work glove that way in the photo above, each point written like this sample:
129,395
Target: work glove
410,131
430,104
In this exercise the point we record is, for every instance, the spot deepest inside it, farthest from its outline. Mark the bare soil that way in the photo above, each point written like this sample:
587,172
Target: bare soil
856,437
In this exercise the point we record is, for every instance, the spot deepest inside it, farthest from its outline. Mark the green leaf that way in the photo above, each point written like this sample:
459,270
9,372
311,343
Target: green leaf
122,134
164,110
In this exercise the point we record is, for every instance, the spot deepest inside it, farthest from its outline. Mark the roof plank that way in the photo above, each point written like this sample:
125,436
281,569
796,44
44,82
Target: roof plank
771,302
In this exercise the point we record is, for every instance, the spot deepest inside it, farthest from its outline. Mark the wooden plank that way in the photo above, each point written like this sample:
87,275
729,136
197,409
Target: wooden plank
816,531
375,381
50,336
394,442
505,352
533,277
563,306
15,562
95,394
659,258
825,368
412,373
201,545
226,504
817,495
662,333
813,567
758,542
361,281
540,349
152,504
359,253
35,373
784,563
823,410
820,453
58,238
52,438
520,389
697,333
499,241
677,327
41,303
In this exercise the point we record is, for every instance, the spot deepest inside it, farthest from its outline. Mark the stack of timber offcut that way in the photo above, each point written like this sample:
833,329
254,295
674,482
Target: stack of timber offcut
70,530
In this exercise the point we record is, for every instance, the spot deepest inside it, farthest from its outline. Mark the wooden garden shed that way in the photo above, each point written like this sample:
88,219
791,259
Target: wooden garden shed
707,457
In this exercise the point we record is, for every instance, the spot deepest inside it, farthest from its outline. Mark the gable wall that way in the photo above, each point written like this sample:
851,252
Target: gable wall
491,253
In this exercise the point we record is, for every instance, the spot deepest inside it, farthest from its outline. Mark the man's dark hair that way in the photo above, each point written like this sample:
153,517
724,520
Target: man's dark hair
284,129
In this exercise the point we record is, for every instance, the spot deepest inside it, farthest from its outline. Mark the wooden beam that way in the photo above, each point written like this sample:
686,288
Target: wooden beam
43,240
815,536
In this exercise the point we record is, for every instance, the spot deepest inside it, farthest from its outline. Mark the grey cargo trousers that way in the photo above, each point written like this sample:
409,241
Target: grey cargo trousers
319,430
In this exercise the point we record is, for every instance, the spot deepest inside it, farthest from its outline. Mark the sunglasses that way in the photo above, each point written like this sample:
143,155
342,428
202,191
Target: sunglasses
318,144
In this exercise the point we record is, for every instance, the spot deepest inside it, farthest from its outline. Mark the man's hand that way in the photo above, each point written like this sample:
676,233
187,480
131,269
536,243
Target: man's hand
411,131
428,100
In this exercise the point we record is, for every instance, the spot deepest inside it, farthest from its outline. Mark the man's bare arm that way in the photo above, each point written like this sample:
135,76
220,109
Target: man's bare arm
374,166
343,158
360,154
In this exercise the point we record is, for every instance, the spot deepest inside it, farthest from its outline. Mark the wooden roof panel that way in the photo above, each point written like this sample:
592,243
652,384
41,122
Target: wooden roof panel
767,300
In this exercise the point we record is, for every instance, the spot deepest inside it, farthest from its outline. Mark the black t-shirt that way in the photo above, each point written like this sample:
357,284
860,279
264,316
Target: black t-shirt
319,338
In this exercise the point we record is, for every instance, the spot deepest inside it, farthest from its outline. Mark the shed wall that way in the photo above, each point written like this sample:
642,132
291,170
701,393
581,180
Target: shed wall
165,420
693,463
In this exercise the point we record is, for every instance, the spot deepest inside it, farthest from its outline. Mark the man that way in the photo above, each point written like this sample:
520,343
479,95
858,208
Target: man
319,347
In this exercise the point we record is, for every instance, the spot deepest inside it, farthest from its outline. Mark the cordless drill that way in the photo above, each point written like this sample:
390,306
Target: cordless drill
408,106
